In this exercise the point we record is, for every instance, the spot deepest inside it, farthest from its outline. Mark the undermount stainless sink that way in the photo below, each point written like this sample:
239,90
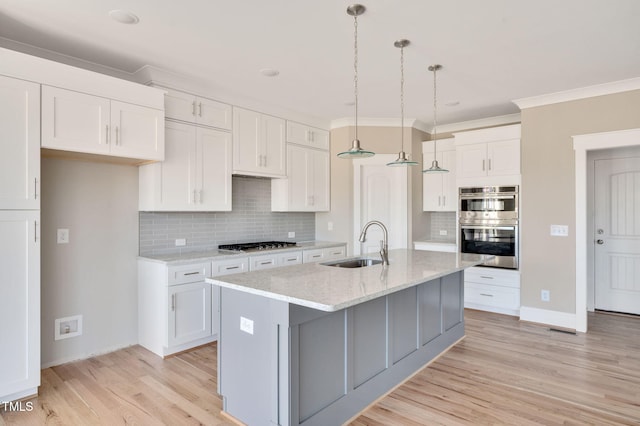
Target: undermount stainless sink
353,263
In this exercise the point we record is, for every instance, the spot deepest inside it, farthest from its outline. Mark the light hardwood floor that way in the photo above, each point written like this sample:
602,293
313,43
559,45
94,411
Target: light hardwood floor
504,372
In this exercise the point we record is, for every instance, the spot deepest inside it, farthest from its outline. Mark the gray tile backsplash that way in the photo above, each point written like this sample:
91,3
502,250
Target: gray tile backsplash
443,221
251,219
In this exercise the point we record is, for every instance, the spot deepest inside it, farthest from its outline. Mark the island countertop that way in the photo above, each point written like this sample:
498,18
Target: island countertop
330,289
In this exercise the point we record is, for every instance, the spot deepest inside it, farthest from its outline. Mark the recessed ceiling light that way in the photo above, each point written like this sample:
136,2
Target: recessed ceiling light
124,16
269,72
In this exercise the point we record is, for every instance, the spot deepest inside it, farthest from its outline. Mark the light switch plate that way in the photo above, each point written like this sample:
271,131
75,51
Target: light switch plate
559,230
181,242
246,325
292,234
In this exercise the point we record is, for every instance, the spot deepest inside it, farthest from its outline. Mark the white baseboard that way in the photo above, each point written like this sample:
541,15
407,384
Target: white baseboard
544,316
78,357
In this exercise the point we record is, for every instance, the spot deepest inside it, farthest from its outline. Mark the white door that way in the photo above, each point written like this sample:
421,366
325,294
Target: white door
617,235
20,139
380,193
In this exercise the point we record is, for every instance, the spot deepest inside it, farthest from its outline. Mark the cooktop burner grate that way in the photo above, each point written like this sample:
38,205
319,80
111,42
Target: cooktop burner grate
263,245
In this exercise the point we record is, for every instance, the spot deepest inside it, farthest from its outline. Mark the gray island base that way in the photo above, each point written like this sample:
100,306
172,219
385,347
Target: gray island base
315,345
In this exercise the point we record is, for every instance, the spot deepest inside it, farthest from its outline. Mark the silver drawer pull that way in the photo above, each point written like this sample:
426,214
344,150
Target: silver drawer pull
292,259
228,268
268,262
485,294
316,255
192,273
486,278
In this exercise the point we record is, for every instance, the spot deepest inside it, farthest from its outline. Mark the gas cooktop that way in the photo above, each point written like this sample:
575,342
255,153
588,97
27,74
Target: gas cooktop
264,245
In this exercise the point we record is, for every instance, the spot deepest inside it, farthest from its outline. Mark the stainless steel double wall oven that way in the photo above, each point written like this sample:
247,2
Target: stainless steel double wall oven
489,223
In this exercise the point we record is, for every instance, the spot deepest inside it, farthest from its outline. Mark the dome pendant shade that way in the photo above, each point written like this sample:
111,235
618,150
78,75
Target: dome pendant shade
356,151
402,160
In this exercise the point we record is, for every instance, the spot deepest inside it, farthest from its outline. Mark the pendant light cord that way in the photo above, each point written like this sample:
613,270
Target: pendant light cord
435,118
355,69
402,97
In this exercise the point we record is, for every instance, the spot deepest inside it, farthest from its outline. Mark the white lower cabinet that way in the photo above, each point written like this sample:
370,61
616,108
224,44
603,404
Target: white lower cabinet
274,260
492,289
324,254
174,306
19,304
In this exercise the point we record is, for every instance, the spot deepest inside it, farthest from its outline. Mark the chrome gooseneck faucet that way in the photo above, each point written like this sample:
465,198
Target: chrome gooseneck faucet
383,244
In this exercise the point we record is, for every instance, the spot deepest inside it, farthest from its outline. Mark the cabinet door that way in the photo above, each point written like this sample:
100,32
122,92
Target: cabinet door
180,106
273,146
178,170
74,121
246,137
214,170
319,172
19,303
305,135
503,158
213,113
189,312
137,131
449,187
432,184
471,160
20,137
298,186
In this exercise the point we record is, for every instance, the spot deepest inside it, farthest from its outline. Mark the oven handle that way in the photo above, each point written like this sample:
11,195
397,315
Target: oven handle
489,197
504,228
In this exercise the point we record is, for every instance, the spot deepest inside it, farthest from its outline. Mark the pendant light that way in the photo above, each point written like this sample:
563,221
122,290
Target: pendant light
355,10
402,159
435,168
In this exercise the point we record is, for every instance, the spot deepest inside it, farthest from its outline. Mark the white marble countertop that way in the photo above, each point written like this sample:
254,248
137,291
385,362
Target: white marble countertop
209,255
330,289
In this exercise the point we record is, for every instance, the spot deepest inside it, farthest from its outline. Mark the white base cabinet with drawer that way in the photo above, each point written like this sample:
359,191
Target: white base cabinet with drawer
324,254
492,289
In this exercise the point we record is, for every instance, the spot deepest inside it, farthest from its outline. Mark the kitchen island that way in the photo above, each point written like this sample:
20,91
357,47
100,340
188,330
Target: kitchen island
313,344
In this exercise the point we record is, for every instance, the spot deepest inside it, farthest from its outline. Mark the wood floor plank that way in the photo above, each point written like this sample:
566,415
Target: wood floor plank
505,372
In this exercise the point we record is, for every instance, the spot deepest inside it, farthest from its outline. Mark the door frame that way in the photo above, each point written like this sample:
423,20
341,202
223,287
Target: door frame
581,145
378,159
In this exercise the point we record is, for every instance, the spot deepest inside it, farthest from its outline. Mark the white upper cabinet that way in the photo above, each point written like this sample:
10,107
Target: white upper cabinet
79,122
305,135
493,155
306,187
258,144
195,109
196,173
439,190
20,144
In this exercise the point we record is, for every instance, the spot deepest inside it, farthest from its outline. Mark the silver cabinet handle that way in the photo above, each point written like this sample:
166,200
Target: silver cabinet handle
193,108
35,188
485,294
268,262
200,109
444,200
315,256
483,164
228,268
192,273
173,302
486,278
106,139
489,163
292,259
117,135
200,195
265,160
35,231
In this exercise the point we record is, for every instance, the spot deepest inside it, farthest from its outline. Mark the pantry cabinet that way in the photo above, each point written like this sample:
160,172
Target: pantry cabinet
258,144
195,109
439,190
84,123
306,187
196,173
20,151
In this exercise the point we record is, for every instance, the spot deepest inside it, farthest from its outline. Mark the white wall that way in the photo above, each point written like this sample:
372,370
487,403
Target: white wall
95,274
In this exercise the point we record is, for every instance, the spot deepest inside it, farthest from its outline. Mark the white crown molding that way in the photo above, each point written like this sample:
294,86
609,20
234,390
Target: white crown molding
417,124
581,93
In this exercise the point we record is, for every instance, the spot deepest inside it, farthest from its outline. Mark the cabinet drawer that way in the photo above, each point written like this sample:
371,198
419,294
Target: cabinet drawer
499,297
335,252
293,258
229,266
267,261
315,255
493,276
189,273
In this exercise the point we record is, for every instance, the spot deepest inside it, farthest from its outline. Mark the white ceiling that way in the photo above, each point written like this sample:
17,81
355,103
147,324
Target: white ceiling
492,51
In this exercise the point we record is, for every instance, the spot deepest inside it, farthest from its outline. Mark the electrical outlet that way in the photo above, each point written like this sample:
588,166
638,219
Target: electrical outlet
292,234
63,236
68,327
559,230
246,325
181,242
443,232
545,295
329,226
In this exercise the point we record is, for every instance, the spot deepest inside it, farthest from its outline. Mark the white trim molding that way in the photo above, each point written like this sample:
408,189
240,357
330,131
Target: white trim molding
547,317
581,93
582,144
